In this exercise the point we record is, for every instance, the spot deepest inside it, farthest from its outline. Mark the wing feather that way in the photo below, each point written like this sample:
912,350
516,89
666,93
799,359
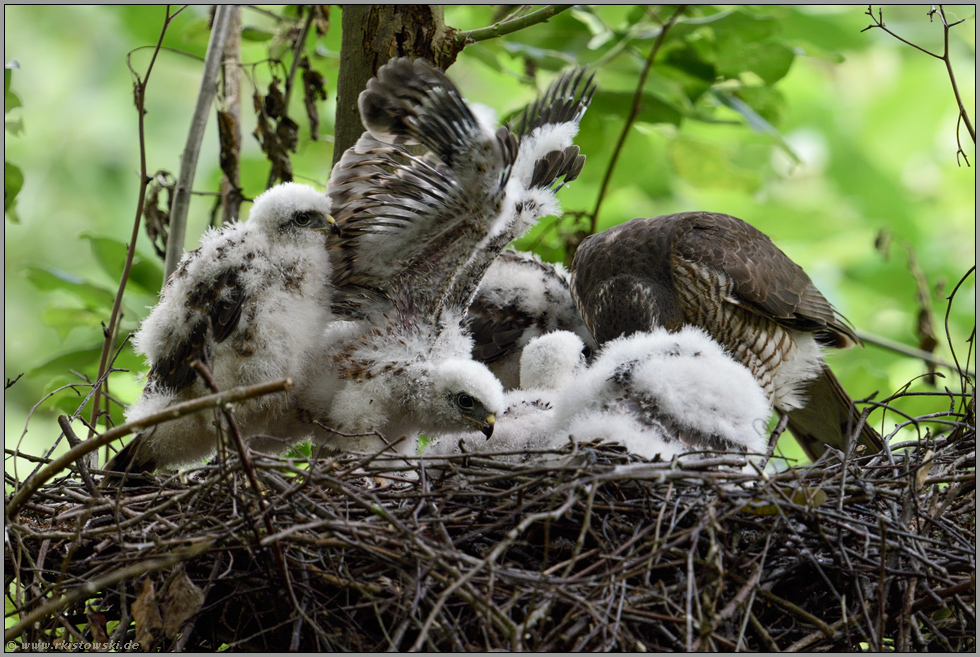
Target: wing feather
215,307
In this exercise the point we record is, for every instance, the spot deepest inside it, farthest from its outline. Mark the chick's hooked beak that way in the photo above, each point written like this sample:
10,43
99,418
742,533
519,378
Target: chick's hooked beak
331,227
487,426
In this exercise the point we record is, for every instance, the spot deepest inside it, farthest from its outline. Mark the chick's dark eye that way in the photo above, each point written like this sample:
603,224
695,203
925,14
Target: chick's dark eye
465,402
302,218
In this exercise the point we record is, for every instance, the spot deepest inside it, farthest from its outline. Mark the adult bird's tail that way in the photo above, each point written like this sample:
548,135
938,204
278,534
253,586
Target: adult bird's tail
829,418
130,464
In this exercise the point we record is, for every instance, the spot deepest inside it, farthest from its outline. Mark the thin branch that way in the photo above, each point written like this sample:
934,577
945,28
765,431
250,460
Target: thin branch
949,309
73,441
952,77
879,23
205,373
231,83
905,350
637,100
95,586
139,92
964,117
34,482
188,160
505,27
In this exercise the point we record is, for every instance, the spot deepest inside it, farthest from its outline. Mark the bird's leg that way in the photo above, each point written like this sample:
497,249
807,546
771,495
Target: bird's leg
774,436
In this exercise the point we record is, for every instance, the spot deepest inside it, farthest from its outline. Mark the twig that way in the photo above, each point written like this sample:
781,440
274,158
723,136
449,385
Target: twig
139,92
949,308
499,549
188,160
95,586
637,102
906,350
34,482
964,117
73,441
247,467
505,27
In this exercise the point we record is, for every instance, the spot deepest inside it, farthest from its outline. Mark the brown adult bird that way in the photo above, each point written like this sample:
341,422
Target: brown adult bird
719,273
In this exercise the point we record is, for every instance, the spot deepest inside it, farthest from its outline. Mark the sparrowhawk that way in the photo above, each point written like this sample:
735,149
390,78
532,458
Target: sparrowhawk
719,273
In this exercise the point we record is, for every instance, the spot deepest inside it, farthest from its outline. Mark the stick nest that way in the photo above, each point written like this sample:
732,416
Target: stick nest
587,548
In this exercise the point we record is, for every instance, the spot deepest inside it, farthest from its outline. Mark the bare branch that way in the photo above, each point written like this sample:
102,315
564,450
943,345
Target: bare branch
905,350
231,61
505,27
139,92
964,118
188,161
171,413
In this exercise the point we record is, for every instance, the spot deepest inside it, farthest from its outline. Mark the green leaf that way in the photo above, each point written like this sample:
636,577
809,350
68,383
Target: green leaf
65,320
13,181
767,102
14,126
485,55
620,103
550,60
84,360
255,34
770,60
145,273
755,120
11,100
692,62
48,279
601,34
708,166
744,27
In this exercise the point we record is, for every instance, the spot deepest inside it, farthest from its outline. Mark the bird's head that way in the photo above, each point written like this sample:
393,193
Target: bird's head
291,212
465,396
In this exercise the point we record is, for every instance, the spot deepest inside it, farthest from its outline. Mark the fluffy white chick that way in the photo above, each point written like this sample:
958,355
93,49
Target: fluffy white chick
664,394
548,364
247,303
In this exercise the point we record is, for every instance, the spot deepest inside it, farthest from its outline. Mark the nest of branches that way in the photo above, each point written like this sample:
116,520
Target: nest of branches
586,548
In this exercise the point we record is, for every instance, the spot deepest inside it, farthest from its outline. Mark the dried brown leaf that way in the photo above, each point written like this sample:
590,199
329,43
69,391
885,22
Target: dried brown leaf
146,614
182,600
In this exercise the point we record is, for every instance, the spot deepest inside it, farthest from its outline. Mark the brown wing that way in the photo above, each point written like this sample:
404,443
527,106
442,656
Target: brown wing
218,307
766,281
624,278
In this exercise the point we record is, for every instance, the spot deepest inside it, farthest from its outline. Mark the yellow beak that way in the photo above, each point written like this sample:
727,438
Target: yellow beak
487,426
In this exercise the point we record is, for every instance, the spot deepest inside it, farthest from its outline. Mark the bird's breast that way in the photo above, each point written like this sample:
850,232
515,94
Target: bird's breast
756,342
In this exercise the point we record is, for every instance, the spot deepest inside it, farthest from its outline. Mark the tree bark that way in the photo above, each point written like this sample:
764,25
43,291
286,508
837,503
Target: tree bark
231,196
373,34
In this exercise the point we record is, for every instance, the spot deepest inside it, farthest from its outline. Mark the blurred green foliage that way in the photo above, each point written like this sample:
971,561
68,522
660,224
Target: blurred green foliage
839,144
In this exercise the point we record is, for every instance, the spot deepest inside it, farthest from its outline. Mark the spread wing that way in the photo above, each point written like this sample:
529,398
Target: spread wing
410,222
546,159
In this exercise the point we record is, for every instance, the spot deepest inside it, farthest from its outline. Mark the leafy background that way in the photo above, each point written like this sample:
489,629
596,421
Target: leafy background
839,144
